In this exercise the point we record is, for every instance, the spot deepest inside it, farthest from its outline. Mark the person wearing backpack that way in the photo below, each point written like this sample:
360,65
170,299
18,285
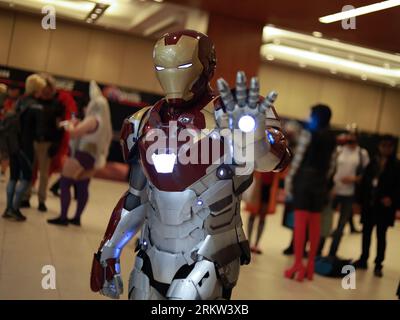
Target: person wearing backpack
351,160
21,152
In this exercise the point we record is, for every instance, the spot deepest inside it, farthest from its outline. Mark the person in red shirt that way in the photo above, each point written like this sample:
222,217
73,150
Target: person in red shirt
71,109
66,99
9,95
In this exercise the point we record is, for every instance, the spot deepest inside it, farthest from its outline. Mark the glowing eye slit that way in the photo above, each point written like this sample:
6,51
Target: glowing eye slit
159,68
184,66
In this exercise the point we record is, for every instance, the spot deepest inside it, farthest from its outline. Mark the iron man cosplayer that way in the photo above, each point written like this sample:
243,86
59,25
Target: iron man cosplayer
192,242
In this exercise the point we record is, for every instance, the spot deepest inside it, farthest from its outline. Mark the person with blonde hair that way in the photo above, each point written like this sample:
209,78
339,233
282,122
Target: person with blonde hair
27,123
3,94
47,143
89,147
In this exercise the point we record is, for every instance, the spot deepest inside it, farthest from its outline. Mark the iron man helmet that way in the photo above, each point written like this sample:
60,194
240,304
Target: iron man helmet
184,62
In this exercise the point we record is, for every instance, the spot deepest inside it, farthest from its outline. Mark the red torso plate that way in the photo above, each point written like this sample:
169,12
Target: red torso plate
205,151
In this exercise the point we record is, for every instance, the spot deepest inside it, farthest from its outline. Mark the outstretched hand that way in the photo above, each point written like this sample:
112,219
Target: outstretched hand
245,109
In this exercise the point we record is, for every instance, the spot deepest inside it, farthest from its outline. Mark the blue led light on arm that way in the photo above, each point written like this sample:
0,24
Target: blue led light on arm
270,138
124,240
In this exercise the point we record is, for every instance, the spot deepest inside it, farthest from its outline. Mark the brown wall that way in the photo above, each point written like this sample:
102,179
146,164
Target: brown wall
372,107
237,45
85,53
77,51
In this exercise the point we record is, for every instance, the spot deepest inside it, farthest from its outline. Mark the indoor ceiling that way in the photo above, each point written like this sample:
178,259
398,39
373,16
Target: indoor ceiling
292,33
147,18
151,18
379,30
338,58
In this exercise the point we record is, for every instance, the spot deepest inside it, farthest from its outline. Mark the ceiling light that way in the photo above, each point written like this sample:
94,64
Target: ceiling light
323,61
333,71
270,57
302,65
97,11
346,59
159,1
364,77
317,34
359,11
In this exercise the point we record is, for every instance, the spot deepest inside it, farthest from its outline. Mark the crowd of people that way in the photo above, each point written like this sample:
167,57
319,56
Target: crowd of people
41,135
329,173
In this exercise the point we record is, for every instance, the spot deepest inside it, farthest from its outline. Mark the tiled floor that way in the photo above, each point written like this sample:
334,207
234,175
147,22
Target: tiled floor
26,247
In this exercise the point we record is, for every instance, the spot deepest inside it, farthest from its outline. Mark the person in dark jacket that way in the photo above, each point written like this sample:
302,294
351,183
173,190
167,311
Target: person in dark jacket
379,198
46,144
21,154
307,184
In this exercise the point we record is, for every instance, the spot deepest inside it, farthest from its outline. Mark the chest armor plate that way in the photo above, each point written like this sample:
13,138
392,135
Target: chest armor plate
177,151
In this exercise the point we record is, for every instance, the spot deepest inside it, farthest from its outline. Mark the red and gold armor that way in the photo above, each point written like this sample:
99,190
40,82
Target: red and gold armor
192,242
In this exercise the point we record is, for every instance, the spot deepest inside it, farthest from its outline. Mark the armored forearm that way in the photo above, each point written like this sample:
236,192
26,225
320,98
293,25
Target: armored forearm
123,225
125,221
271,151
273,154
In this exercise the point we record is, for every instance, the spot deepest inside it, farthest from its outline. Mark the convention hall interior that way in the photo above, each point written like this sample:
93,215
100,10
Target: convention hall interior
97,59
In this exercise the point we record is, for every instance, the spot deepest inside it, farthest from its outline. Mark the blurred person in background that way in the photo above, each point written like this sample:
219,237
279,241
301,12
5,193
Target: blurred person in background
292,129
70,111
3,94
8,100
90,142
48,142
260,200
3,146
307,183
351,160
379,198
21,144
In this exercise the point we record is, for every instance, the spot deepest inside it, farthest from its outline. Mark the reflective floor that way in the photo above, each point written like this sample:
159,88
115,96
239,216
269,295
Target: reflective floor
26,247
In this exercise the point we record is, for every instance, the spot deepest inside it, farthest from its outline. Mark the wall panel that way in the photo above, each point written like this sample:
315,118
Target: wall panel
68,50
30,43
104,56
390,117
6,27
363,106
137,65
351,101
